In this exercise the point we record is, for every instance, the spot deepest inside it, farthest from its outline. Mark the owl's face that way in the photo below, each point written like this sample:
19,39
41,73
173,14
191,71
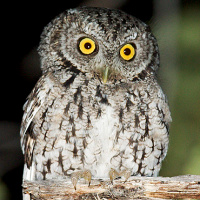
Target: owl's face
109,44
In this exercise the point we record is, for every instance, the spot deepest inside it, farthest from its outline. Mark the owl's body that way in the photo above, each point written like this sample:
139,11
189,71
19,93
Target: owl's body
76,119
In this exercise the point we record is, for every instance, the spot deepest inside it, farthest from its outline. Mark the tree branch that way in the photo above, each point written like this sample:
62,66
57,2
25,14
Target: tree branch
136,187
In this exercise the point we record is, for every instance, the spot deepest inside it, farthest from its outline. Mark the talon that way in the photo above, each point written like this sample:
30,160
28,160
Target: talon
74,178
113,174
86,174
126,174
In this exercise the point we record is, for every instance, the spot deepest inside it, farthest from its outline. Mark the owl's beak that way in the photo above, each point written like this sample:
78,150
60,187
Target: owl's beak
105,75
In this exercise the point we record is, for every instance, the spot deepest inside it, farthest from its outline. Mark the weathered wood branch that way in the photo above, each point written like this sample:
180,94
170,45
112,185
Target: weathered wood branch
135,188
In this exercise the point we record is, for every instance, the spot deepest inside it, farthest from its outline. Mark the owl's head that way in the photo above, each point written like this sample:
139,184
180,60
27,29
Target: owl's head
105,43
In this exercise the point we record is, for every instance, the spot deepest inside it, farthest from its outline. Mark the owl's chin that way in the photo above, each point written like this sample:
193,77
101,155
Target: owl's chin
107,76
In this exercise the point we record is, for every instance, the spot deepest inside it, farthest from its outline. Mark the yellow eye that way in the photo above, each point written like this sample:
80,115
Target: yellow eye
127,52
87,46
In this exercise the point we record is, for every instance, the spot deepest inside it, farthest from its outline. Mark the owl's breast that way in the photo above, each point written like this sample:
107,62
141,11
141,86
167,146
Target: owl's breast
92,127
104,137
101,148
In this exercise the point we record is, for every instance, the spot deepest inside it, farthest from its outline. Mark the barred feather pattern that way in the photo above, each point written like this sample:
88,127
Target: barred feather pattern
86,125
73,120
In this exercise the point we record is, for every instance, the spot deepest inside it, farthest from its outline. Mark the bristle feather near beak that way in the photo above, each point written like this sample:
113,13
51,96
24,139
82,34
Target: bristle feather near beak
105,75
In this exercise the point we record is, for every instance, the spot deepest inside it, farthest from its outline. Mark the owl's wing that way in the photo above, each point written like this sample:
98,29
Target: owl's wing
163,109
34,102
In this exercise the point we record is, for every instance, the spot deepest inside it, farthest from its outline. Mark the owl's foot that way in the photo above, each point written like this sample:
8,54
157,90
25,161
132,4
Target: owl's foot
115,174
86,174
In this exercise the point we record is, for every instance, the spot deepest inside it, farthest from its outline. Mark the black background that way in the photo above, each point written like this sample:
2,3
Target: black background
21,26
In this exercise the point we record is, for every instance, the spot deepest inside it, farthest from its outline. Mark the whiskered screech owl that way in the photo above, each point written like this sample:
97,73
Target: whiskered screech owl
98,110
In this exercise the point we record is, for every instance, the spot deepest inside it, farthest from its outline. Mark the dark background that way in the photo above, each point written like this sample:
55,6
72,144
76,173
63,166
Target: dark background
176,25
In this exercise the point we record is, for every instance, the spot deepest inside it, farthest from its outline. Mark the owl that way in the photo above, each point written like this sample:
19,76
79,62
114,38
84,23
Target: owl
97,111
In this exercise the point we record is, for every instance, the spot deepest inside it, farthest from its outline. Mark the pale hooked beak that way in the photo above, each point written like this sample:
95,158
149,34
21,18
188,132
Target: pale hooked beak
105,75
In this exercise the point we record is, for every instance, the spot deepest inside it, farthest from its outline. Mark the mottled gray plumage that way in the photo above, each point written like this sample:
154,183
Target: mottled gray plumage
74,121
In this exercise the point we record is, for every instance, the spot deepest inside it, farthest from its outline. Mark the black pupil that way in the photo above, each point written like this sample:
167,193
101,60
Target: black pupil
87,45
127,51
